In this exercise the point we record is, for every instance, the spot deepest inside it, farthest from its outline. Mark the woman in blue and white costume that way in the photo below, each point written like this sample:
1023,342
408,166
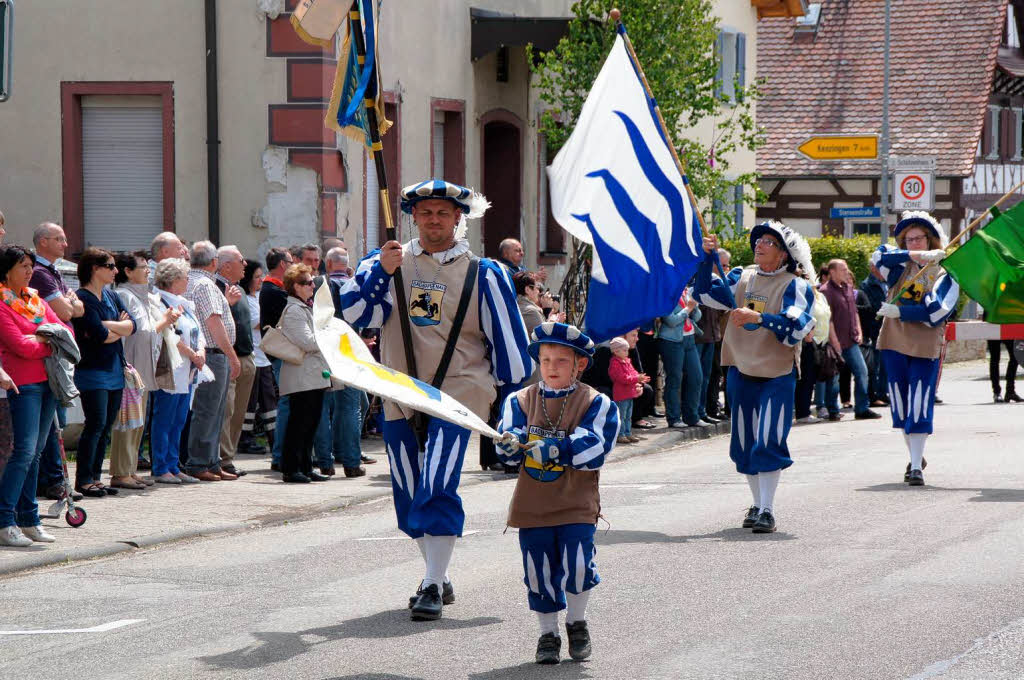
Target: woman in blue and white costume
770,315
489,361
912,330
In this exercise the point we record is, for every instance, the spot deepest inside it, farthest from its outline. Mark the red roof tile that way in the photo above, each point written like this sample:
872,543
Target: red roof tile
943,54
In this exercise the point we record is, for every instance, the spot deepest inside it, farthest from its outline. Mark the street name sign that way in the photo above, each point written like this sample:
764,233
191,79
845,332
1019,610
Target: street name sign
844,213
915,190
841,148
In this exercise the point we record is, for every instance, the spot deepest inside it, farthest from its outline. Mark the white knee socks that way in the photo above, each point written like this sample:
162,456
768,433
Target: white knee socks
437,553
915,442
548,623
576,609
755,489
768,481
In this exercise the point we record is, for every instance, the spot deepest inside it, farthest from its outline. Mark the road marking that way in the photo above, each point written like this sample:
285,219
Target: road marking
403,538
102,628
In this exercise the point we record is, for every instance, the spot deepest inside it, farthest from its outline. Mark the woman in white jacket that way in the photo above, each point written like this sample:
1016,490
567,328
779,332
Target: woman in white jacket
304,383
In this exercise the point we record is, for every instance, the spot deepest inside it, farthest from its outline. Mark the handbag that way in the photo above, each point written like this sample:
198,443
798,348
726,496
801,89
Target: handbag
132,414
828,361
277,344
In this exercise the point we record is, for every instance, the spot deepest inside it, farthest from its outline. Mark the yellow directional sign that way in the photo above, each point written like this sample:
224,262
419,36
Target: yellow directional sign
841,148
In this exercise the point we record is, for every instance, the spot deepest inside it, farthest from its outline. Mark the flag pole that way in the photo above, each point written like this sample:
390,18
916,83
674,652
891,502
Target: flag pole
961,238
376,152
616,16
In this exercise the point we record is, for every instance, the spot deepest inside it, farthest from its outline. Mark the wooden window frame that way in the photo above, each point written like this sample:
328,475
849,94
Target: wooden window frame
73,180
455,143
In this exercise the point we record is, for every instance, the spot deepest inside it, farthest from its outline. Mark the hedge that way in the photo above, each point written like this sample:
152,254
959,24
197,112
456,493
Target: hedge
856,251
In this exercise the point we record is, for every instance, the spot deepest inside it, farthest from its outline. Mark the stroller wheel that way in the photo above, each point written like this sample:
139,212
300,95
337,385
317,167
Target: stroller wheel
76,517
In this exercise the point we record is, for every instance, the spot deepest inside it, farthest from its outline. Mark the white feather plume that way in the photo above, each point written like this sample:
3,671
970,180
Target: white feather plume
800,251
924,216
478,205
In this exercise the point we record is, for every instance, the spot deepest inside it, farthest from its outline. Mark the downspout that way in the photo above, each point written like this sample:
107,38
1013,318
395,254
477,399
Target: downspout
212,127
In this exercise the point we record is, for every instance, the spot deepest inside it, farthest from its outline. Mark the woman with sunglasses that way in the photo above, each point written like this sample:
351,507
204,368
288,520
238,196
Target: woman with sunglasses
99,376
304,383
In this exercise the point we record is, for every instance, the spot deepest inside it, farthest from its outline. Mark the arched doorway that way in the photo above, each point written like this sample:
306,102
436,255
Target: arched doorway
502,178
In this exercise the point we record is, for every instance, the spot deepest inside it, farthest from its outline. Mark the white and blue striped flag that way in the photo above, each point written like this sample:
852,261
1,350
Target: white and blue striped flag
615,184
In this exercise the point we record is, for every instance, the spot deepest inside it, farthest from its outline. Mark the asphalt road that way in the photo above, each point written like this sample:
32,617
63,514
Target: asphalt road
866,578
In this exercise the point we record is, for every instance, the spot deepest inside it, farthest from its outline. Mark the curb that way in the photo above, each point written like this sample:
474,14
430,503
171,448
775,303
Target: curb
663,442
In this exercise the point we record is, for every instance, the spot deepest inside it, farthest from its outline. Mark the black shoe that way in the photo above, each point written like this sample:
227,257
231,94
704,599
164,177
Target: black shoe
493,467
997,398
867,414
906,475
939,401
549,648
510,469
447,594
711,419
916,478
232,470
275,467
752,513
355,472
1010,396
579,640
428,604
144,463
658,414
765,523
295,478
317,477
328,470
55,492
367,460
252,449
834,417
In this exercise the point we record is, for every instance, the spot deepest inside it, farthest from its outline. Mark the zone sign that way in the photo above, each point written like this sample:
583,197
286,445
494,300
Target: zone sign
914,190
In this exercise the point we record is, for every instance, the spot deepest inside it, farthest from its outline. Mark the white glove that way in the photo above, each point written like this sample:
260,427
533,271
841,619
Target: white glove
509,444
889,310
932,255
543,451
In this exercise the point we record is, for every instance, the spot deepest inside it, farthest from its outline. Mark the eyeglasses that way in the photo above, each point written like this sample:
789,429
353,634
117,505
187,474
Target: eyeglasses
109,265
766,242
915,239
304,282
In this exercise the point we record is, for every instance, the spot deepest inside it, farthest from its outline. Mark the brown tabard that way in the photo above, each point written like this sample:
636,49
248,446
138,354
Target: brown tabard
913,338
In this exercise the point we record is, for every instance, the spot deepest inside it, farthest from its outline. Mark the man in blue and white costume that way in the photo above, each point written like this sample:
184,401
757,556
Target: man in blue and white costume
911,337
770,315
489,361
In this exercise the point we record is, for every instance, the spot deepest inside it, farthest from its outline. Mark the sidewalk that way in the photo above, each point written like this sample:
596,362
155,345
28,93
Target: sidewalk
140,519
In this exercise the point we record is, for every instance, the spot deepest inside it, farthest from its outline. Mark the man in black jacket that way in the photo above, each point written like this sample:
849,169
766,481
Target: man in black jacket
273,299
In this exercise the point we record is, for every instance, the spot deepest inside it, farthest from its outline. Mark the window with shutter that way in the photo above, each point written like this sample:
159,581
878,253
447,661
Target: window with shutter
741,60
1006,134
992,135
122,175
738,206
550,237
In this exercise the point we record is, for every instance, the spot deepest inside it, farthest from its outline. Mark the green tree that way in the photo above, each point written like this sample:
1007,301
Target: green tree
675,44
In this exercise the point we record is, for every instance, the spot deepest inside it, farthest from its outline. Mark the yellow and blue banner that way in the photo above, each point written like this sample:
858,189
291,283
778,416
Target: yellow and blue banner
357,82
352,363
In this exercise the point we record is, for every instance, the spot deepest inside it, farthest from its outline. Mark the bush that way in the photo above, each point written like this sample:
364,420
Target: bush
856,251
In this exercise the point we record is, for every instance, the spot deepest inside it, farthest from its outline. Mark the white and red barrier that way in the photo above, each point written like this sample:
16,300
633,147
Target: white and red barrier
979,330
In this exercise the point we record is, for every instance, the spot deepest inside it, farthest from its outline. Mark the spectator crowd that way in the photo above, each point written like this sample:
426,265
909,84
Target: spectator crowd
165,347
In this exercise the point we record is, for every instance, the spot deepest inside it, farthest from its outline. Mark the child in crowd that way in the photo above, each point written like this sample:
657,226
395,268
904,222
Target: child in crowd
627,384
560,430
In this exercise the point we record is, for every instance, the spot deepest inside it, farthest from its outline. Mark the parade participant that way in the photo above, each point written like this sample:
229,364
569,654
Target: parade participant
761,347
475,315
913,328
556,502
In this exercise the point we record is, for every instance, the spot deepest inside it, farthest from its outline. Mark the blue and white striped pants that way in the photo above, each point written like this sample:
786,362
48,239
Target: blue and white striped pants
425,484
557,560
911,391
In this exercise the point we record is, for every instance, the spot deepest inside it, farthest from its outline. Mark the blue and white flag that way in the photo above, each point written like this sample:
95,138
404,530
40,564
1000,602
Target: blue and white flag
615,184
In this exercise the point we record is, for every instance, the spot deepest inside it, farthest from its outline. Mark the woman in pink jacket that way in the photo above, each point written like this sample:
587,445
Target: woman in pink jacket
32,403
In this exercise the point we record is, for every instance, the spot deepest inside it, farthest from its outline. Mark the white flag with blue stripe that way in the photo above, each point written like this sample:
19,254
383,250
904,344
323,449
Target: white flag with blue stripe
615,184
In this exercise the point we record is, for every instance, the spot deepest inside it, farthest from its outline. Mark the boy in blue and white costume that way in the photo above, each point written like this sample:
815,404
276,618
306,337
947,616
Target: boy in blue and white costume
913,327
770,316
560,430
489,361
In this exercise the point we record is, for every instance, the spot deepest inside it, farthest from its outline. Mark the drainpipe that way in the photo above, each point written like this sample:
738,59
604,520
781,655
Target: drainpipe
212,127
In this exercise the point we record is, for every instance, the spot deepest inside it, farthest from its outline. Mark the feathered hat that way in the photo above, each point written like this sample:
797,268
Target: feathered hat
472,204
795,245
919,218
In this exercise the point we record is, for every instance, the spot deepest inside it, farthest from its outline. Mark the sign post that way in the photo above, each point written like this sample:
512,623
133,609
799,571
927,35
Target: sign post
841,148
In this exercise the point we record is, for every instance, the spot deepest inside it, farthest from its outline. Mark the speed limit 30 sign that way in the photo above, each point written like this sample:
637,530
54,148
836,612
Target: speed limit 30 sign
914,190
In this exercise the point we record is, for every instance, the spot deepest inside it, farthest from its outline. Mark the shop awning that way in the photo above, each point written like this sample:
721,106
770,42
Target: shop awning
493,30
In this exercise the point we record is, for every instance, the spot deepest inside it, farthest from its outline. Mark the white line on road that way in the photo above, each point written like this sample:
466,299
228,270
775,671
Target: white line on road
404,538
102,628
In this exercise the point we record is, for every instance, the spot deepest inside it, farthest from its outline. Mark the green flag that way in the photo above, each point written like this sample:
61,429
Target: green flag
990,267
